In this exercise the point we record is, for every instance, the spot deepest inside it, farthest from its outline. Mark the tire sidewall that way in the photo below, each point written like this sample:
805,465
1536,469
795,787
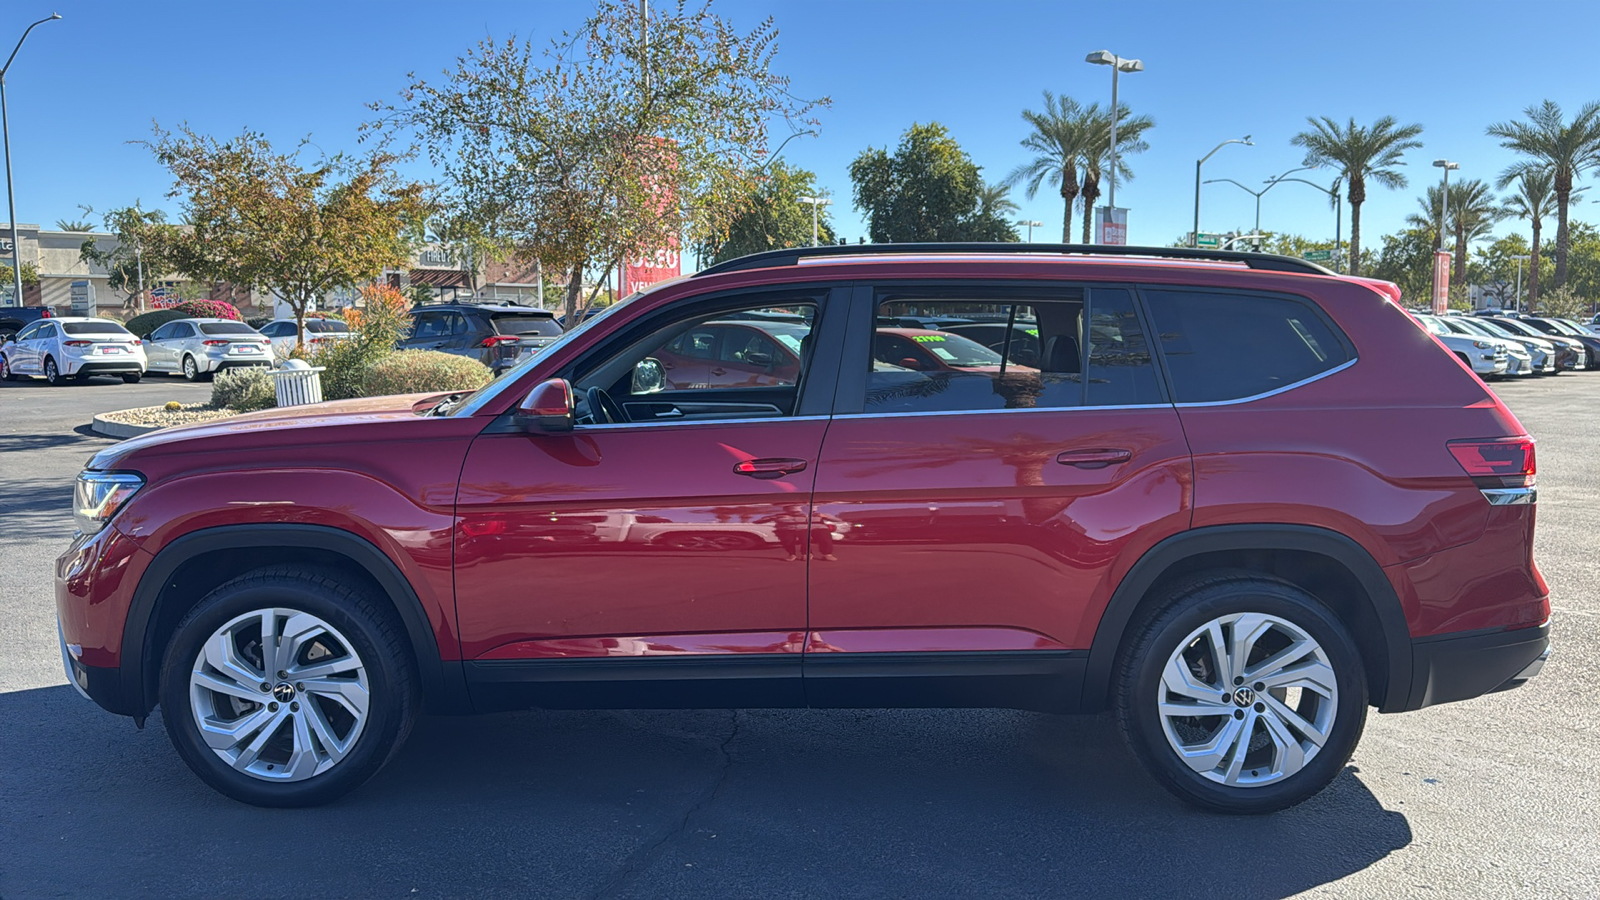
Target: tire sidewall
190,374
387,715
1143,724
52,374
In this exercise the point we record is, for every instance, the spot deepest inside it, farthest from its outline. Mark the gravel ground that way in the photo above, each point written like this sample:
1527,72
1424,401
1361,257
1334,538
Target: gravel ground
1494,797
186,414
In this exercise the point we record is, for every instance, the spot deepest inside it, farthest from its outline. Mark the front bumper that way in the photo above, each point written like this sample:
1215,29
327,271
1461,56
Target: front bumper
1455,667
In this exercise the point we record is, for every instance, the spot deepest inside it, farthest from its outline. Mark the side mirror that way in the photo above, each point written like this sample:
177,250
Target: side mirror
909,363
548,408
648,376
764,360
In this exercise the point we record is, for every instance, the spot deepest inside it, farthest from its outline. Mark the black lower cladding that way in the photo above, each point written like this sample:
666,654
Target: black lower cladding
1455,667
1046,681
109,368
104,686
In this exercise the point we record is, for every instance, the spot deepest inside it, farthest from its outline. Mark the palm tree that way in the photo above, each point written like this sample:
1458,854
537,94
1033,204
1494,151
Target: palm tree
994,201
78,225
1533,198
1058,139
1565,150
1359,153
1097,153
1473,212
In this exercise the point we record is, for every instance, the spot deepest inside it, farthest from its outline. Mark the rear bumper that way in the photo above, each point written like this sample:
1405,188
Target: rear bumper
1455,667
121,367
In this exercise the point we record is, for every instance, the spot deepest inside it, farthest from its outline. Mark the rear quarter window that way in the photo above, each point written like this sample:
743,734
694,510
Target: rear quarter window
1229,346
537,326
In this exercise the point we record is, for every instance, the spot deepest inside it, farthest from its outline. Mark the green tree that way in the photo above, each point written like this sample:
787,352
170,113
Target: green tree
996,217
465,242
927,190
143,254
1287,244
75,225
1407,260
1565,303
1470,213
1566,151
1583,260
621,137
1533,197
260,218
1059,142
1494,268
1359,153
773,217
1097,154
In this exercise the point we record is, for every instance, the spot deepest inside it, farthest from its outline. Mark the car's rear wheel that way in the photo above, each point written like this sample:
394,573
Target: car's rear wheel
52,374
288,687
132,377
191,369
1242,694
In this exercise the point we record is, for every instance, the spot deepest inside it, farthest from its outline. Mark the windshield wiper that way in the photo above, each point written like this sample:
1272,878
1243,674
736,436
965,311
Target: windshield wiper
443,407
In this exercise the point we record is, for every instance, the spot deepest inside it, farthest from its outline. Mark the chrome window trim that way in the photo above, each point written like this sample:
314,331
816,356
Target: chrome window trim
614,426
1272,393
975,412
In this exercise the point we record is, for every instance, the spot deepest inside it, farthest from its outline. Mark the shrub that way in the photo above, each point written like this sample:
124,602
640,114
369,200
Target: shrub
173,406
144,323
374,331
424,371
208,309
244,390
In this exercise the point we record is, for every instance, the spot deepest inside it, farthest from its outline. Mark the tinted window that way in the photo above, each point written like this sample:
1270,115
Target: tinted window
512,323
47,330
322,326
227,328
93,328
970,363
1222,346
26,333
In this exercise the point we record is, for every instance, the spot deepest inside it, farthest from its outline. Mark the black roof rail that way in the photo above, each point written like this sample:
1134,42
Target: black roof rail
792,256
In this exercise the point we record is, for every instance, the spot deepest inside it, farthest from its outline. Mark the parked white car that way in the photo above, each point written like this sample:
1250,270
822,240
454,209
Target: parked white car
1485,356
58,349
1519,361
1541,354
197,348
319,332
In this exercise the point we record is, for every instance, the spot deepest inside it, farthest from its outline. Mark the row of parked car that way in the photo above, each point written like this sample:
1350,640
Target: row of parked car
58,349
1500,344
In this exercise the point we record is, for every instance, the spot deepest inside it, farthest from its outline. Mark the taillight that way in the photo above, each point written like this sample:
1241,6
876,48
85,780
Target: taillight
76,343
138,343
215,343
498,339
46,314
1503,469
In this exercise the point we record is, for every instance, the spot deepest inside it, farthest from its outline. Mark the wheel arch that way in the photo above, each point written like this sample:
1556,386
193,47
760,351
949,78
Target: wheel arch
1329,565
192,565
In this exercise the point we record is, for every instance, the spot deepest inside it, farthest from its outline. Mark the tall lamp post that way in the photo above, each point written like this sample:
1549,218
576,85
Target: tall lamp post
1117,64
11,193
1338,211
1031,226
815,202
1194,236
1517,297
1444,194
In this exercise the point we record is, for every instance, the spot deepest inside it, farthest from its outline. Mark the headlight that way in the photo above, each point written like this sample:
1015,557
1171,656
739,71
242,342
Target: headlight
1482,345
98,496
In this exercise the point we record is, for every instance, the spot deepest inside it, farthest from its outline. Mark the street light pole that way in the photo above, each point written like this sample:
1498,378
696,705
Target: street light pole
1338,210
1444,194
1117,64
815,202
1517,297
11,192
1194,236
1031,225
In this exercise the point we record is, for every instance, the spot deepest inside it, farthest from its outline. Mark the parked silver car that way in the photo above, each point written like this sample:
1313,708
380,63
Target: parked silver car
197,348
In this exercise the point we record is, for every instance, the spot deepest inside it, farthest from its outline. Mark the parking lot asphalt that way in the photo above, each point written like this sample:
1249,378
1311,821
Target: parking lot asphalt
1495,797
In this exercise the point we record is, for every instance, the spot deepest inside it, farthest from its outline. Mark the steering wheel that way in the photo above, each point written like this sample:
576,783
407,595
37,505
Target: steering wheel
602,409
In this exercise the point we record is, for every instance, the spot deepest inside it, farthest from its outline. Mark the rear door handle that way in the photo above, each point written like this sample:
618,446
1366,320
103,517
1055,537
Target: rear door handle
1093,459
771,467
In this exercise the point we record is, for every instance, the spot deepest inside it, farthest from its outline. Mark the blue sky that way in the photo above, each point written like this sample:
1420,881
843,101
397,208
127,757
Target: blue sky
82,88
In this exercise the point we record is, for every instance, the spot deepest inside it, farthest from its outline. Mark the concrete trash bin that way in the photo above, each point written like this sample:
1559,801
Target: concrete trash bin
298,383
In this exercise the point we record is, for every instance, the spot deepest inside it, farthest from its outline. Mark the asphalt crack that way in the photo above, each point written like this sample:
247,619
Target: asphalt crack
642,859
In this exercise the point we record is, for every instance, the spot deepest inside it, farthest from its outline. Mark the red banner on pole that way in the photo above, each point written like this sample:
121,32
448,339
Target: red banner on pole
1441,282
647,266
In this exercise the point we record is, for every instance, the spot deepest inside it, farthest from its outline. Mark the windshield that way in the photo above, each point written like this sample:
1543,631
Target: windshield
955,350
523,324
1490,328
1433,325
476,400
93,328
1519,328
238,328
1571,328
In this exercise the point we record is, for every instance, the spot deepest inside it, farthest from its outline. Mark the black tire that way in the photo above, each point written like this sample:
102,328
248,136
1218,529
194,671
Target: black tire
1190,606
132,378
374,635
52,375
5,370
190,369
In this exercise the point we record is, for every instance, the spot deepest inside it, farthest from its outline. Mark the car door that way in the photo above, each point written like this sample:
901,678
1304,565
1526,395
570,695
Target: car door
974,520
156,351
661,560
43,345
23,357
429,330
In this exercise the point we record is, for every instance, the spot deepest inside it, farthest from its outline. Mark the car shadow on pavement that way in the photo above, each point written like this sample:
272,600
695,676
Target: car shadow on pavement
771,803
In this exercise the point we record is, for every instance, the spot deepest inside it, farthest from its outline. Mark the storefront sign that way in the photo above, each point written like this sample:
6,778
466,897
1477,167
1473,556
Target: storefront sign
82,298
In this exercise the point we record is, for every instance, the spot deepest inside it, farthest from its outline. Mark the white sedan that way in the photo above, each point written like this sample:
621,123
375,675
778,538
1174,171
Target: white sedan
58,349
318,333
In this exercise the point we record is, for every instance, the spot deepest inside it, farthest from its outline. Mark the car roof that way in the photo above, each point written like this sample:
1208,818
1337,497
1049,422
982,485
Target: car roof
952,252
484,307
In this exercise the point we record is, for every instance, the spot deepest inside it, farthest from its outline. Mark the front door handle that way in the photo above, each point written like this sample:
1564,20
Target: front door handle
771,467
1093,459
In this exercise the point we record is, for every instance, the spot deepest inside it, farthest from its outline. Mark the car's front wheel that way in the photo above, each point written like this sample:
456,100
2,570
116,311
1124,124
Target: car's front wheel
288,687
5,370
1242,693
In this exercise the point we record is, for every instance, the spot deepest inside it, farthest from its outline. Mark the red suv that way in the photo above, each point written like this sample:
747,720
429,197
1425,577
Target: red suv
1235,498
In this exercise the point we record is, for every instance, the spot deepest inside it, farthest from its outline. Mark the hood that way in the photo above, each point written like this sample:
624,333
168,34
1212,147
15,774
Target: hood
249,427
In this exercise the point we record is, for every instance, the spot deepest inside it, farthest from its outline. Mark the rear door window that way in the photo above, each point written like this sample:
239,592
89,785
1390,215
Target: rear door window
1223,346
532,326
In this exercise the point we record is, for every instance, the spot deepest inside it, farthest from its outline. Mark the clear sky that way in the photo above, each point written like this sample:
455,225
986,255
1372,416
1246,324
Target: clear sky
84,87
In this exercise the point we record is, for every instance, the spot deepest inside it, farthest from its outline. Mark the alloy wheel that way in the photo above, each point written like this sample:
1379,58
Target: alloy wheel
191,370
1247,699
51,373
279,695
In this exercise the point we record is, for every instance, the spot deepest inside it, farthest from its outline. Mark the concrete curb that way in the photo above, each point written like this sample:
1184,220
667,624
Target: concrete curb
104,426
